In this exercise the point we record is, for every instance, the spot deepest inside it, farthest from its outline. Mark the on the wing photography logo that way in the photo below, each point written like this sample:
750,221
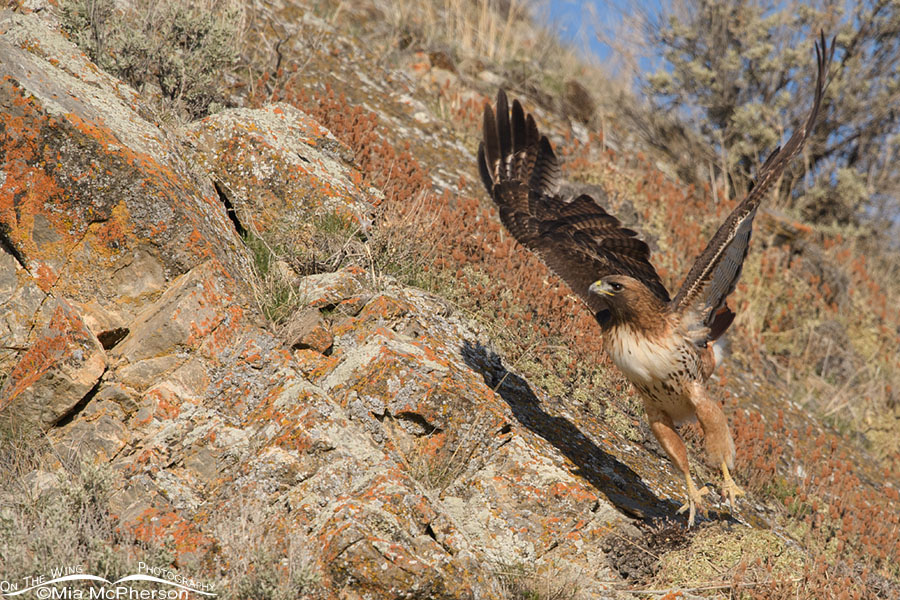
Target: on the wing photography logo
73,583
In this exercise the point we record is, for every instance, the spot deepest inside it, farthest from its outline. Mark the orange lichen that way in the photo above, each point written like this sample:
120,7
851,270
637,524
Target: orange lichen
155,524
42,355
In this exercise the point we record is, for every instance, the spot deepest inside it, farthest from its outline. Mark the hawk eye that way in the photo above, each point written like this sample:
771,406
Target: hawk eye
617,287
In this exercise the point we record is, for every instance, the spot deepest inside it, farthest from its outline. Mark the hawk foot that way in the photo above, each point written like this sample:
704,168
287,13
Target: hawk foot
730,489
695,501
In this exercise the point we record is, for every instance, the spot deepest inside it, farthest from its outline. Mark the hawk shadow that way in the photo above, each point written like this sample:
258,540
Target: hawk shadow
612,478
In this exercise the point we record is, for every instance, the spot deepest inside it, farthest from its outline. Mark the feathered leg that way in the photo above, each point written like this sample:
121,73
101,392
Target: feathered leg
664,430
719,444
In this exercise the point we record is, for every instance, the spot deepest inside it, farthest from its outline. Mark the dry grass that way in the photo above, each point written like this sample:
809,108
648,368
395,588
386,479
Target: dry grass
823,321
263,562
529,582
716,554
439,459
287,251
54,512
499,36
484,29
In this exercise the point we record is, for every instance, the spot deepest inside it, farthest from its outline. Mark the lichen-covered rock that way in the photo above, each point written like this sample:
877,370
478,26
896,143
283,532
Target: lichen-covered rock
20,299
344,289
376,423
278,168
377,435
385,431
64,362
308,330
197,309
95,202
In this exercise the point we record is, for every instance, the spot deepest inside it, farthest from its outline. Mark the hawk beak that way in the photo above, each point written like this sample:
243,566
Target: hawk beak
600,288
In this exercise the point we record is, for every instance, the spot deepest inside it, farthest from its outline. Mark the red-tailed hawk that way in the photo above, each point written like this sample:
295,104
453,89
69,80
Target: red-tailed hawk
663,345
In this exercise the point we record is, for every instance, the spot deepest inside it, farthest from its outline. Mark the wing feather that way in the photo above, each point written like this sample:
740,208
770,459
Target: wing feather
577,239
716,271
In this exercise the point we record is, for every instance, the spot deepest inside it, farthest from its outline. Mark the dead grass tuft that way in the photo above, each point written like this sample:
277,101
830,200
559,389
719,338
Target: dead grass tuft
55,511
485,29
720,554
264,561
519,581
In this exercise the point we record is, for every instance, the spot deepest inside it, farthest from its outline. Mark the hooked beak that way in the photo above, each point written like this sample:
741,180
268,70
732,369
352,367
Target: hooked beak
600,288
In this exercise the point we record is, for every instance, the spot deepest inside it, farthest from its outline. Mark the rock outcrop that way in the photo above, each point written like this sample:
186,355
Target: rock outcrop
385,430
374,431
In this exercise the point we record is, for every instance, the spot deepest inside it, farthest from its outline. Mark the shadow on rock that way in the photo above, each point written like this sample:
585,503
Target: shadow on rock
615,480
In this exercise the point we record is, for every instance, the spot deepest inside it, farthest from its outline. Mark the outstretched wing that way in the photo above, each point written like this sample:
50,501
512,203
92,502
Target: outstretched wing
716,271
579,240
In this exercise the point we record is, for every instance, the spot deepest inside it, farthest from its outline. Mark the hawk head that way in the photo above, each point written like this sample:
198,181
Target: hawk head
628,299
616,288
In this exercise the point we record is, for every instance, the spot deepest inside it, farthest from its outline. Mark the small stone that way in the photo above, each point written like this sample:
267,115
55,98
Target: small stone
190,310
327,290
352,306
146,373
318,339
97,440
309,331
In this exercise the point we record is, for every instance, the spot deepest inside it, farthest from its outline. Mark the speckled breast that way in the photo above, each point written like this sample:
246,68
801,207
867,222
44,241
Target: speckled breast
661,368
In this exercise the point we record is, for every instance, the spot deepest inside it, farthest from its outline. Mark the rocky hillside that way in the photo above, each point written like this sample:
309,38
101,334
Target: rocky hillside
287,350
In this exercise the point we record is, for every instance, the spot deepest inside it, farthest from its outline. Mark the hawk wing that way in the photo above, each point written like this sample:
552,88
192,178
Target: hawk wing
716,271
577,239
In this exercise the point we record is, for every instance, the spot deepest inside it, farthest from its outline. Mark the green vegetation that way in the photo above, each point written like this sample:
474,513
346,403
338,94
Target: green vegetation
735,68
172,51
324,244
275,293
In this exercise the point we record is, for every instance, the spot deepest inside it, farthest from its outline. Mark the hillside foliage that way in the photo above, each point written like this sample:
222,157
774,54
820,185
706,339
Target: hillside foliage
734,69
817,326
171,51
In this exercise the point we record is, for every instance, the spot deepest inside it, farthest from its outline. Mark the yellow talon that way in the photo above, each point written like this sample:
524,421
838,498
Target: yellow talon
695,500
729,488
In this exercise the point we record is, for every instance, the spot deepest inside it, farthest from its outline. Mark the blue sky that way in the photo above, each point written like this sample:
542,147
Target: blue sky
574,20
579,21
